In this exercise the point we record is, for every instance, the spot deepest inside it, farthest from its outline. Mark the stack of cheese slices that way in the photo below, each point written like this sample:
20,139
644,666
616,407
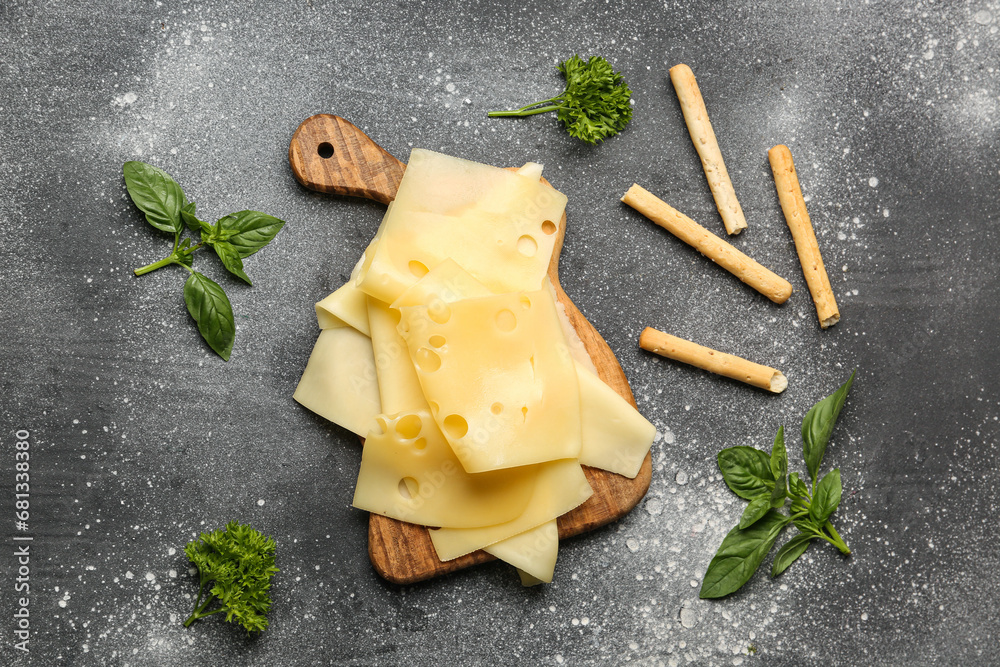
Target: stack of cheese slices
449,354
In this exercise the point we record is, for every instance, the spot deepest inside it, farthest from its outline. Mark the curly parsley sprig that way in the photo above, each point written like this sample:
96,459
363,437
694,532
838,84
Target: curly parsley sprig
595,105
235,567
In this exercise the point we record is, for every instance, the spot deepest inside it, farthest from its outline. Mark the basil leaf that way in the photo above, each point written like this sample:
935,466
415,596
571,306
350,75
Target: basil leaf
826,498
818,425
156,194
248,231
757,508
806,525
211,309
230,259
192,221
740,554
779,469
747,471
796,486
790,552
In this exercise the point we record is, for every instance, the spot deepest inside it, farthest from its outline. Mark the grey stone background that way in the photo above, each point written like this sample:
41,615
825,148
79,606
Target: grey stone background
141,437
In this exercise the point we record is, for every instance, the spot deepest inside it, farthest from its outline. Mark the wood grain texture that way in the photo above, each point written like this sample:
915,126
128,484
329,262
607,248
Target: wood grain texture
402,552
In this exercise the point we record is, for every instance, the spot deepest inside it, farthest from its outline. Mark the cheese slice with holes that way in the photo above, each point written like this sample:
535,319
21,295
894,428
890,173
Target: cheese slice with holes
615,436
408,472
533,552
339,382
446,283
398,386
499,225
498,377
561,487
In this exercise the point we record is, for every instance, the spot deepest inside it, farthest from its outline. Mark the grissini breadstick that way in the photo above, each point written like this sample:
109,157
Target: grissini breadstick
794,207
728,365
703,137
771,285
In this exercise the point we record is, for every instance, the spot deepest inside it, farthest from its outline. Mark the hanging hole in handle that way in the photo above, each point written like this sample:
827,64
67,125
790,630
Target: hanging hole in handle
325,150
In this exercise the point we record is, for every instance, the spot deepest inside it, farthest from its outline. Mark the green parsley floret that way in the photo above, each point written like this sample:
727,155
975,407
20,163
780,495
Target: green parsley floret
595,105
235,567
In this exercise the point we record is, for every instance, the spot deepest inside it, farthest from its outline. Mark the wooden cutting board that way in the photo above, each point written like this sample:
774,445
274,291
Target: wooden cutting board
329,154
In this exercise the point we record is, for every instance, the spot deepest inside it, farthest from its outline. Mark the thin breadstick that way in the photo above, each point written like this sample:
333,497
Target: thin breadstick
705,358
771,285
794,207
703,137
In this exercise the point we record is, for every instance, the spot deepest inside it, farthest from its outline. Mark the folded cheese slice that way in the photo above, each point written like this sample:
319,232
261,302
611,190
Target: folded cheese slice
615,436
339,382
408,472
348,305
533,551
499,225
561,487
498,376
398,385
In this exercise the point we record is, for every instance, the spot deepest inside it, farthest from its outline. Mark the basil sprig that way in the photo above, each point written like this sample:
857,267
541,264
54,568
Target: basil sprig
764,481
233,237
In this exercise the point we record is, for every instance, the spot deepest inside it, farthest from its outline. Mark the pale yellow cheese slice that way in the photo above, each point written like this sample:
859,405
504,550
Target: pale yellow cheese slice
532,552
447,282
527,580
615,436
348,305
345,307
408,472
339,382
398,386
577,349
499,225
561,486
498,377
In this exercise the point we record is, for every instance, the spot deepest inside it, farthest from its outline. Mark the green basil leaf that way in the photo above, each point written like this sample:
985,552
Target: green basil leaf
156,194
184,259
790,552
806,525
747,471
779,469
826,498
230,259
248,231
210,308
740,554
797,487
818,425
757,508
192,221
779,456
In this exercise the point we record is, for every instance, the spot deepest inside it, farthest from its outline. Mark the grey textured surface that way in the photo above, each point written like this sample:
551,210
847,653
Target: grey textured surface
140,436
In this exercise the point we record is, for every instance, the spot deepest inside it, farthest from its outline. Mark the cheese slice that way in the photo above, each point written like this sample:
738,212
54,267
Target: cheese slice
561,486
577,349
527,580
447,282
398,386
348,306
339,382
499,225
532,552
408,472
615,436
498,377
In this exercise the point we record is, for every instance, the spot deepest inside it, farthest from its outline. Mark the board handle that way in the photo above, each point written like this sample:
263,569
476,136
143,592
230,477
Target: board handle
330,154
